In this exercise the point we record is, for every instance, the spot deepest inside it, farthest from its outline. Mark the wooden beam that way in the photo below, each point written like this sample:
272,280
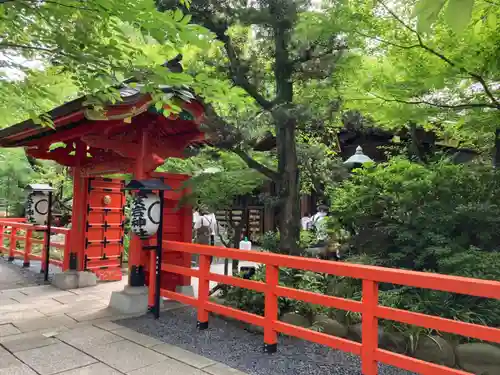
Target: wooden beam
59,155
74,133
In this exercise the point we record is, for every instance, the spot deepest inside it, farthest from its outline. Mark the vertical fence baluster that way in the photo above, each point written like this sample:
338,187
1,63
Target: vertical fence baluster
46,237
271,309
369,328
152,278
2,231
203,290
66,254
27,248
12,244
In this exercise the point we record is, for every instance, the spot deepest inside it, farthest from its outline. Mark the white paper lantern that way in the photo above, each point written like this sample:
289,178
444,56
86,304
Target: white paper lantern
37,208
145,215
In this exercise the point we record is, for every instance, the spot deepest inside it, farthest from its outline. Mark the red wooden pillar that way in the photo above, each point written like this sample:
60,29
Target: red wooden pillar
78,221
369,328
136,266
271,309
203,290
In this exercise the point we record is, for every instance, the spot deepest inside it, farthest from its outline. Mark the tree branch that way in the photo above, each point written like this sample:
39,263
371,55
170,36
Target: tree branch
309,54
441,56
227,137
385,41
238,74
208,14
37,4
254,164
70,6
26,47
449,106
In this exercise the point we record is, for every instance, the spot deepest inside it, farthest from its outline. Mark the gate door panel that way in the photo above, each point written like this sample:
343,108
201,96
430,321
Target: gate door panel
105,228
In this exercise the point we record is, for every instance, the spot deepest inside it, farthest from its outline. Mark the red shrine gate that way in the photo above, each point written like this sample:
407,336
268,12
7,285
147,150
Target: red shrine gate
131,137
104,228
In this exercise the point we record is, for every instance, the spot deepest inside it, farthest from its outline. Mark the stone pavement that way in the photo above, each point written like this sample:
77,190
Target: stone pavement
45,331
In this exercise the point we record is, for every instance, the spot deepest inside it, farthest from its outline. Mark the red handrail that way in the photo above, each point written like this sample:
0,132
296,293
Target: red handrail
17,224
369,307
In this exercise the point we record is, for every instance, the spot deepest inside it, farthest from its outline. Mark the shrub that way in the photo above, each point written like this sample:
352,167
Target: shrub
307,239
439,218
253,302
270,240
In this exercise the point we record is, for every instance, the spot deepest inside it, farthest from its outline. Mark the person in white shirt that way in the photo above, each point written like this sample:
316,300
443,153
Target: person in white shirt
206,228
213,228
319,216
319,224
196,215
305,222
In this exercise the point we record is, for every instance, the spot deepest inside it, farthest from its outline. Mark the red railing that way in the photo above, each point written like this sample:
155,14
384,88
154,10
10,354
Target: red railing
369,307
17,230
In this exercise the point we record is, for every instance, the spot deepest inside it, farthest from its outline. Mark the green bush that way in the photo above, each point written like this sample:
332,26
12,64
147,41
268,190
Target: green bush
307,239
438,218
126,246
253,302
270,240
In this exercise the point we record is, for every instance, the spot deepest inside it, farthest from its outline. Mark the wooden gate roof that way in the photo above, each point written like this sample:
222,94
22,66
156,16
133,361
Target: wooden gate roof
77,113
108,141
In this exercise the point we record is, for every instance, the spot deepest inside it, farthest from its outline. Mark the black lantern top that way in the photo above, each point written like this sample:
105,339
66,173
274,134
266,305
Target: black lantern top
38,188
147,185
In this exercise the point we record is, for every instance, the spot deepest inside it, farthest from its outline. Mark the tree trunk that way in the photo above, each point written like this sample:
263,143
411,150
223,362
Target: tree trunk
288,188
496,158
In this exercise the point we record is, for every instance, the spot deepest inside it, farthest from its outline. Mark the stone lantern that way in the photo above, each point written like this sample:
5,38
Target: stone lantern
358,159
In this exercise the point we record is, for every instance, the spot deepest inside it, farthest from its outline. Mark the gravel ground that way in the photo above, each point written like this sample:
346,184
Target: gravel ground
13,275
225,342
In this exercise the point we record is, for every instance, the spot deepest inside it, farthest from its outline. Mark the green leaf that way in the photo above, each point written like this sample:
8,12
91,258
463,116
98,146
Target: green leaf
178,15
458,14
478,27
186,19
492,20
427,12
53,146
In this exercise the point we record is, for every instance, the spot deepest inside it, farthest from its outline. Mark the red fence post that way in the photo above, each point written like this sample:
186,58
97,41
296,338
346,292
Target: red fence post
203,290
369,328
12,244
2,230
27,248
152,278
46,237
66,254
271,309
